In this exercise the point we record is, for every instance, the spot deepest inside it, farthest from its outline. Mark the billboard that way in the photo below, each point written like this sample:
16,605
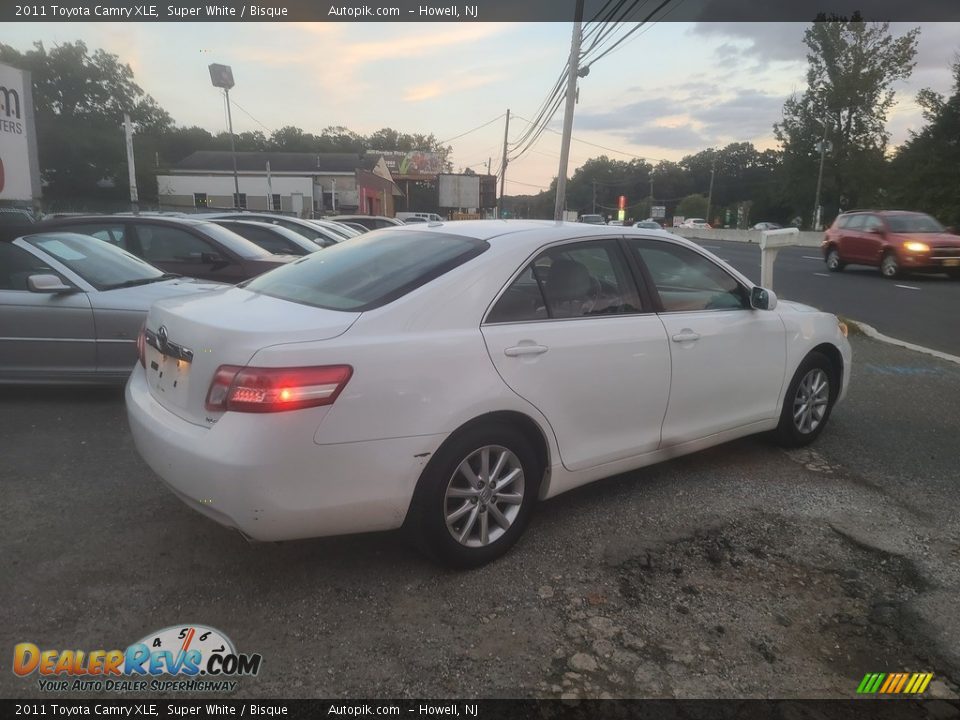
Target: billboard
458,191
412,165
19,169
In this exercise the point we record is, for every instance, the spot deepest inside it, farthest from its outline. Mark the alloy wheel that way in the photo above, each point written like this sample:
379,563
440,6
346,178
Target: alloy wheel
889,266
810,402
484,496
833,260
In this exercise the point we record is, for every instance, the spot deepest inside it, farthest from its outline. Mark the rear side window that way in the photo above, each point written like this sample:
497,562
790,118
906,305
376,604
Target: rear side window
570,281
368,271
855,222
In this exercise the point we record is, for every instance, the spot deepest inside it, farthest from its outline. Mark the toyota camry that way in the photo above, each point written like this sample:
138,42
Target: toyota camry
446,377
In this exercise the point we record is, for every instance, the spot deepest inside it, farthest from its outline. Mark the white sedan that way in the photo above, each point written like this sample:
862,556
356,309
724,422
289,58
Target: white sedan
446,378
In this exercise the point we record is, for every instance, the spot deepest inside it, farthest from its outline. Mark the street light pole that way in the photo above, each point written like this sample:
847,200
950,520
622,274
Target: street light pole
233,152
573,68
221,76
713,169
817,210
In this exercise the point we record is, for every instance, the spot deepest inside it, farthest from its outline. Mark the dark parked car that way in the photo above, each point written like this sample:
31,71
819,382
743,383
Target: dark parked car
895,241
188,247
371,222
320,235
272,238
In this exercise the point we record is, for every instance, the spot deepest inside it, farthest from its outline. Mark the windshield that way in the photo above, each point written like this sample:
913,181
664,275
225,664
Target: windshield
102,265
368,271
913,224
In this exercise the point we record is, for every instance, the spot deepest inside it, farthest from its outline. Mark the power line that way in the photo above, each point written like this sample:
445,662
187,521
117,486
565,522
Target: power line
479,127
244,111
602,147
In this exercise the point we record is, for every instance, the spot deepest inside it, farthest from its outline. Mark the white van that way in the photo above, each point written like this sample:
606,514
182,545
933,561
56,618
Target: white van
428,217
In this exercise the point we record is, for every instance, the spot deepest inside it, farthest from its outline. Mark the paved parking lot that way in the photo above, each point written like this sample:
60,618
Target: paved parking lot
744,571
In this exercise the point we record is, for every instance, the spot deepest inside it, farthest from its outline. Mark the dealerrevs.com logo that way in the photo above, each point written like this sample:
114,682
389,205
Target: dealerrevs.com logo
180,658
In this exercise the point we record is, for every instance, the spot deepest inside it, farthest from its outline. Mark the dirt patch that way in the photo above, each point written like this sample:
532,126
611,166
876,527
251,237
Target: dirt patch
734,609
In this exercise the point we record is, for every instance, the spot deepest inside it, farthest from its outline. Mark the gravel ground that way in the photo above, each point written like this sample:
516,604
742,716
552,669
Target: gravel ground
743,571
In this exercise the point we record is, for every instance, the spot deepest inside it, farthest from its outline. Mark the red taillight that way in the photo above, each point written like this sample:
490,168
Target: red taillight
142,345
250,389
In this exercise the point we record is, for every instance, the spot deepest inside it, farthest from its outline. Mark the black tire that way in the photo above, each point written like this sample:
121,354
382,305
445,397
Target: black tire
833,261
790,432
426,522
890,266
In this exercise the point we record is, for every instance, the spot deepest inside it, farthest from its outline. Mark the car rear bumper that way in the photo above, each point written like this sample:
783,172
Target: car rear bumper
245,474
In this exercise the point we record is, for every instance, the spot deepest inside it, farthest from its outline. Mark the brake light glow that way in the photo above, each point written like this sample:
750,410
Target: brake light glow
251,389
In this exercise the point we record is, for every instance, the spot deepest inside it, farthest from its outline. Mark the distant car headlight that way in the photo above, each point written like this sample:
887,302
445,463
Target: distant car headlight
916,246
843,327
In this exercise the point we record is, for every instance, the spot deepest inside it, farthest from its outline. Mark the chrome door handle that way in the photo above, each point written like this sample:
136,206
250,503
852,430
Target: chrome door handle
518,350
686,335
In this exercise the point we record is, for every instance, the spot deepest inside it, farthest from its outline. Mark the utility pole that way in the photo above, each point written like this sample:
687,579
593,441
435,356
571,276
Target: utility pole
131,169
488,165
817,210
269,189
573,68
503,167
713,169
594,197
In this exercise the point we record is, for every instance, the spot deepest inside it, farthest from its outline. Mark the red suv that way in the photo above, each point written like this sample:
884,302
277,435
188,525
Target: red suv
893,240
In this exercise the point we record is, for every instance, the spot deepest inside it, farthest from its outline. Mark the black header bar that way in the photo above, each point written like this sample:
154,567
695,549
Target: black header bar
469,11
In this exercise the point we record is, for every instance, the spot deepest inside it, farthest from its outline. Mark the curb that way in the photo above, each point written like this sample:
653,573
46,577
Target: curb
877,335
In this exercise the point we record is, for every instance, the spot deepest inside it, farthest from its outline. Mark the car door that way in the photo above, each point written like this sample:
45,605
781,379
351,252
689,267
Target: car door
572,337
181,251
872,240
852,248
41,334
727,359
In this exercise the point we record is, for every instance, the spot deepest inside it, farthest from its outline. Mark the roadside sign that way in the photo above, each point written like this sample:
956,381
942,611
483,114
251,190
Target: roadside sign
20,178
658,211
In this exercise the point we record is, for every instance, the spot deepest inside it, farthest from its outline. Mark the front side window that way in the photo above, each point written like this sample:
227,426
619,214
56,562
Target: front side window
100,264
570,281
369,271
166,244
872,223
687,281
16,265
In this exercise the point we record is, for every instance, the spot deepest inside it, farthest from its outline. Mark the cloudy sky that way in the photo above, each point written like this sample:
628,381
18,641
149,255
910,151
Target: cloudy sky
670,90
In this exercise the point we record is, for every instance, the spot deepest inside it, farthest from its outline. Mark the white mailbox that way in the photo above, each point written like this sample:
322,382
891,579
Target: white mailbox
770,243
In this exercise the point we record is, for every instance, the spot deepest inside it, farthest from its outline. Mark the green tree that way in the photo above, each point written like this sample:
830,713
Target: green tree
693,206
925,172
851,68
79,101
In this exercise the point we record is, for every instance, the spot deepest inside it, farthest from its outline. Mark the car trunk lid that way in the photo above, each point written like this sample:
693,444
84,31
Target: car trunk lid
189,338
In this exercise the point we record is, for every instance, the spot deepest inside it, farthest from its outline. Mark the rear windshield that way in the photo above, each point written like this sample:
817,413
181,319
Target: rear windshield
913,224
368,271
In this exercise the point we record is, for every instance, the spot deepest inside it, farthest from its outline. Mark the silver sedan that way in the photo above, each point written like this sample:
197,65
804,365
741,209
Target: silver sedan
71,307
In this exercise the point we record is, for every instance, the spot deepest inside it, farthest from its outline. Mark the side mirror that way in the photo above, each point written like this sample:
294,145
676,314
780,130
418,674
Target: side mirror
210,258
50,284
762,299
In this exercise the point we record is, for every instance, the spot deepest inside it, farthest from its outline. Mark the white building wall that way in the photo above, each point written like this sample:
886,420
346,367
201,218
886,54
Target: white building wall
223,185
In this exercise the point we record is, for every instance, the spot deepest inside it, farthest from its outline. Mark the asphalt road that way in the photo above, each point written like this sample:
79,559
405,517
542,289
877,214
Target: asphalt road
920,309
742,571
